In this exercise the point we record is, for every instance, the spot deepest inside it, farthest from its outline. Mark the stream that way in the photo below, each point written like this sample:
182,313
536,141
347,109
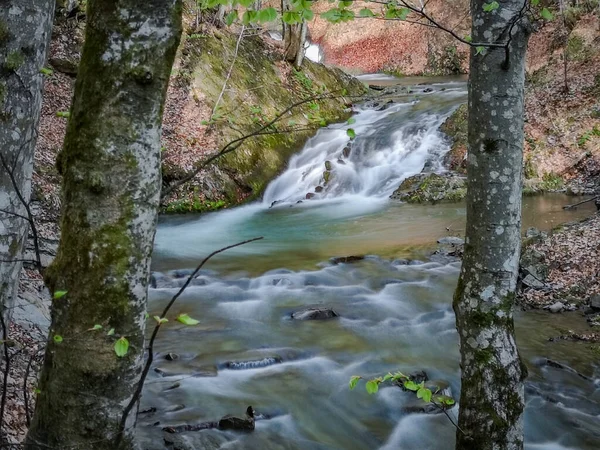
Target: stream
394,306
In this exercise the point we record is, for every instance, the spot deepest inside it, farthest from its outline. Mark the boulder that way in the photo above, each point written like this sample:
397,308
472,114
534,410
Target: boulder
238,424
555,307
346,259
316,313
595,302
431,188
451,240
310,195
455,127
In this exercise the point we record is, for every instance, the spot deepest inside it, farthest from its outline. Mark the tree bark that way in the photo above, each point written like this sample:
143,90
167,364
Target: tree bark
111,182
492,394
25,29
301,49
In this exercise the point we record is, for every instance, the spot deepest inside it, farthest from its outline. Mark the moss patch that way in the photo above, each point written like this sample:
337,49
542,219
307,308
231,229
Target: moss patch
431,188
456,128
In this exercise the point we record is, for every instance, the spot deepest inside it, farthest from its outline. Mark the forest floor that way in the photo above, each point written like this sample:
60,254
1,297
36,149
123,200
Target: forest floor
560,271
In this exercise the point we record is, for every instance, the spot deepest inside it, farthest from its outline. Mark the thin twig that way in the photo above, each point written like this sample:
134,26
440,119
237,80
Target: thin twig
235,54
6,369
138,392
581,202
30,218
26,390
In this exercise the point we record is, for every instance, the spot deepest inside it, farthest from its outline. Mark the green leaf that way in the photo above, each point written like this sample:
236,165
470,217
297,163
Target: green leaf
187,320
354,381
160,320
245,3
333,15
37,391
546,14
57,338
389,376
535,2
63,114
468,38
111,332
489,7
366,12
411,385
95,327
121,347
372,386
396,13
308,15
46,71
59,294
231,17
479,50
425,394
250,16
351,121
267,15
351,133
291,17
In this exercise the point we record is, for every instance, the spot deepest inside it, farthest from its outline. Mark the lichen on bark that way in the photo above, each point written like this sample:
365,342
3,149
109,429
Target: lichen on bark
111,182
492,393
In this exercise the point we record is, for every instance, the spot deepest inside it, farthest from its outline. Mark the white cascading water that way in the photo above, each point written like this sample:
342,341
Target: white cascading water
373,164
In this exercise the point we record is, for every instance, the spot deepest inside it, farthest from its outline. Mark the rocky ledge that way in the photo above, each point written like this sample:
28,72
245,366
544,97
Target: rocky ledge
431,188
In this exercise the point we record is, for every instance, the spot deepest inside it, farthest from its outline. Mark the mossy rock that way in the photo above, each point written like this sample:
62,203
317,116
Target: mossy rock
431,188
456,128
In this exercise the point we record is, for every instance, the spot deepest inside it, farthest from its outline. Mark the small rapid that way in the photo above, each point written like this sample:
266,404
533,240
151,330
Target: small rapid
395,139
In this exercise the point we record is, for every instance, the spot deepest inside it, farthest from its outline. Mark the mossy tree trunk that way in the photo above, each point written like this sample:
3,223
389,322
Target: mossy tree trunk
111,182
492,394
25,28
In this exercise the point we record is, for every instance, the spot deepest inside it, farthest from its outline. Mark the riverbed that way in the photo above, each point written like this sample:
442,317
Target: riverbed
394,305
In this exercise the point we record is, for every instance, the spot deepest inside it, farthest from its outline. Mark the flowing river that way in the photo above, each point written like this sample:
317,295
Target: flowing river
394,306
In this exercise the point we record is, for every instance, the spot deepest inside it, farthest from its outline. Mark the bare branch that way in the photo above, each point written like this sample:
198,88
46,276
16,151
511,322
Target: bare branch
236,143
140,386
235,54
29,218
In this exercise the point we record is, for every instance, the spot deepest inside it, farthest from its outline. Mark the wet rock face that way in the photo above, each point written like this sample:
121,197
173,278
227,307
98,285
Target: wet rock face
431,188
314,314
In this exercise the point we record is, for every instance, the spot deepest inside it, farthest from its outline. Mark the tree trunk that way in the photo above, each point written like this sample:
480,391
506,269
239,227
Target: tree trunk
25,29
111,182
492,395
301,49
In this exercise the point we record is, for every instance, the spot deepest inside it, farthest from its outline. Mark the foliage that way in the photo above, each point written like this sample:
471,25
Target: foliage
194,205
551,182
426,394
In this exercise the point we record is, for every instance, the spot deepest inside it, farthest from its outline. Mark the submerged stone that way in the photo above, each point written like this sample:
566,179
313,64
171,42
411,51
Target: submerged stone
314,314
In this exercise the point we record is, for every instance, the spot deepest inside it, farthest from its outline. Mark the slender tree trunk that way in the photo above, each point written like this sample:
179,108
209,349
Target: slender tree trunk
25,28
492,398
301,49
111,181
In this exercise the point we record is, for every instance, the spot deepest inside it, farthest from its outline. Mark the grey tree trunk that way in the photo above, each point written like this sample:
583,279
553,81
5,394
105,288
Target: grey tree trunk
111,182
25,29
492,394
301,49
292,36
